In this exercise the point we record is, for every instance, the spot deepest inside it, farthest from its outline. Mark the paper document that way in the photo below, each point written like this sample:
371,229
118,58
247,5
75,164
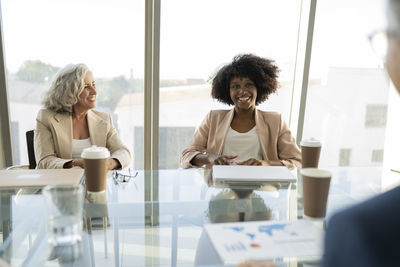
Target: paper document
262,240
251,174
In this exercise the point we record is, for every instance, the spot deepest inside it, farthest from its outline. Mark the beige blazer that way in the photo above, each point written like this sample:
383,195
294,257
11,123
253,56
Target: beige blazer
277,143
53,138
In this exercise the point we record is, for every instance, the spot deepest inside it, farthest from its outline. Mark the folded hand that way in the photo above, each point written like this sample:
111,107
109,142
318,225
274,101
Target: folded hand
221,159
250,162
113,164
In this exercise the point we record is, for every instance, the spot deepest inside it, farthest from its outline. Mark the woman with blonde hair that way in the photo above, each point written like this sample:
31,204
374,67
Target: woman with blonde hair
68,123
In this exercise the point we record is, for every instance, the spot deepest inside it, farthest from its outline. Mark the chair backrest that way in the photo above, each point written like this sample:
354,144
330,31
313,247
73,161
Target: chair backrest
31,151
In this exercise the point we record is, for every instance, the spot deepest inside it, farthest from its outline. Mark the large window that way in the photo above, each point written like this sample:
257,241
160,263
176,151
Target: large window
348,86
43,36
197,37
347,101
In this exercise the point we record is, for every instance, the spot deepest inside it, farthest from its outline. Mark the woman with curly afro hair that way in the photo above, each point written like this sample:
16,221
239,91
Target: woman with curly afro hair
243,135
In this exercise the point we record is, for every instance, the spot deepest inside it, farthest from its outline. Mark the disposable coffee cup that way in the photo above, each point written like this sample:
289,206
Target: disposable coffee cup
95,162
310,151
316,184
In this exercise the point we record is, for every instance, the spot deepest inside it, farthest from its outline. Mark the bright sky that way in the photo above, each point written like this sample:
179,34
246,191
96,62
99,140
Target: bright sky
196,36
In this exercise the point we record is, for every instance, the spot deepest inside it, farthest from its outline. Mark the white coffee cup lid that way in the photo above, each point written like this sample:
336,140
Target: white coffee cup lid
312,142
314,172
95,152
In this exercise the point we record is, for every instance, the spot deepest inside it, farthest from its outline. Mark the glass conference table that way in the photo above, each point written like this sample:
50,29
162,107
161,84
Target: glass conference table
163,225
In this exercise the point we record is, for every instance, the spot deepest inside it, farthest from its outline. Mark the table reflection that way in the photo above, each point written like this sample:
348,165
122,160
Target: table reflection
232,205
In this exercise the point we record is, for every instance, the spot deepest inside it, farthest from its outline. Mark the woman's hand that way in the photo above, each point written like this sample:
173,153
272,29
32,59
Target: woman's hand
251,162
256,162
73,163
113,164
78,163
214,159
208,160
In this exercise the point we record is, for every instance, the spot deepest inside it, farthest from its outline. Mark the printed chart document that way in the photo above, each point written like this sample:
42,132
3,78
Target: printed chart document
262,240
236,174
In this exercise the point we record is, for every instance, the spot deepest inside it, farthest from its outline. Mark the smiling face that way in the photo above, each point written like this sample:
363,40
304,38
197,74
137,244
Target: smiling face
243,93
87,99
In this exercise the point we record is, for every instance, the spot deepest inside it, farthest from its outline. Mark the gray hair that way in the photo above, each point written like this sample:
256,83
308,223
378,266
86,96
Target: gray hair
393,14
65,89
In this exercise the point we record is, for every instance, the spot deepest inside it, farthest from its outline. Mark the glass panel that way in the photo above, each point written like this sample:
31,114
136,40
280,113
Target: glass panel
108,36
348,86
197,37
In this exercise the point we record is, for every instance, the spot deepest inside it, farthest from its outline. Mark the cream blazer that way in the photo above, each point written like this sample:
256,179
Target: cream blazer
53,138
277,143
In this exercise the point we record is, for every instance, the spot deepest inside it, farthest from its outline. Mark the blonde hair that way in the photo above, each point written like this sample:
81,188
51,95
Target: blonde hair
65,89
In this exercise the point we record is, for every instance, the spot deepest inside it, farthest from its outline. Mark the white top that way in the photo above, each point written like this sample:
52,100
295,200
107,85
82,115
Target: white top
78,145
246,145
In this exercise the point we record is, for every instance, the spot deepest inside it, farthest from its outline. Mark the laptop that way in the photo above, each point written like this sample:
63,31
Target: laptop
40,178
238,174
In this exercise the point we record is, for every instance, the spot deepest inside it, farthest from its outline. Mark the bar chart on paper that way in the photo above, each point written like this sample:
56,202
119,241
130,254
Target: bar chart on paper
236,242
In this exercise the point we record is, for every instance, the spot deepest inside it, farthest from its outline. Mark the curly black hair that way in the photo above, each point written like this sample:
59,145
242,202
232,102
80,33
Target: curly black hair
262,71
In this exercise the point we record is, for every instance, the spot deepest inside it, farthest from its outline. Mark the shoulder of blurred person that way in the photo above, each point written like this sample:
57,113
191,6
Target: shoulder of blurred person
366,234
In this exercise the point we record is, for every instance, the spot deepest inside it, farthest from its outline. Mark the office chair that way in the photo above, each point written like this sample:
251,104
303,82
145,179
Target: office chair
31,150
31,154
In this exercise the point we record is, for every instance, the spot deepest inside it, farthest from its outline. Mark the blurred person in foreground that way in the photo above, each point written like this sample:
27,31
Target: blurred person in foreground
368,234
243,135
68,124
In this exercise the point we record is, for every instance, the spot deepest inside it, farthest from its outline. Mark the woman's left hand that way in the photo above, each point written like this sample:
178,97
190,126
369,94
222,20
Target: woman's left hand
250,162
113,164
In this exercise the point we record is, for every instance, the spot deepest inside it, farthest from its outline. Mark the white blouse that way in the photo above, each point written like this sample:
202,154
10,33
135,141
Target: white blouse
78,145
246,145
